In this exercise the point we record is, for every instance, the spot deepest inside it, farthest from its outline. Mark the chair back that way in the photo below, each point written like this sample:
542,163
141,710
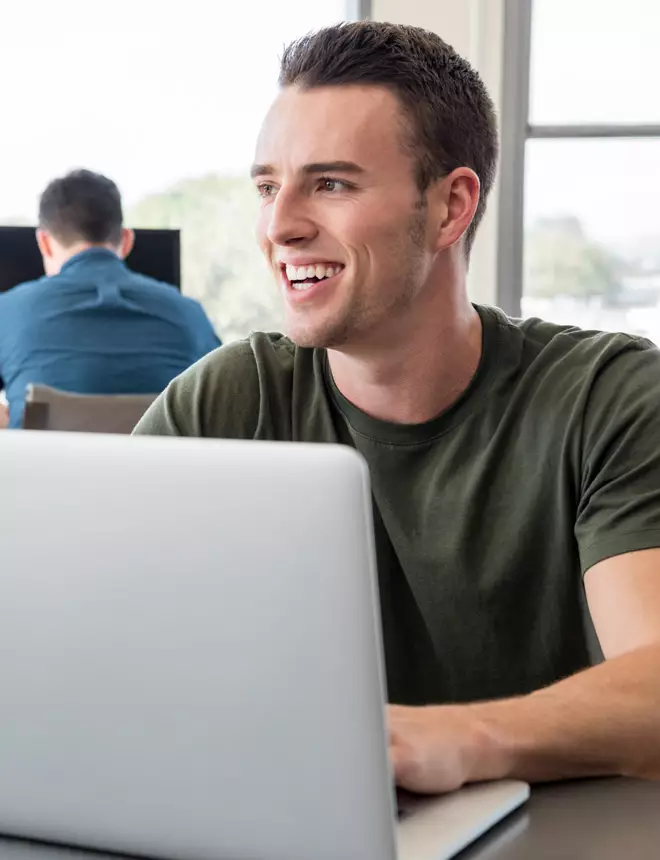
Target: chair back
49,408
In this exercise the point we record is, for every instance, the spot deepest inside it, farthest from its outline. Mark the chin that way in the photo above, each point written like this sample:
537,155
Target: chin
322,335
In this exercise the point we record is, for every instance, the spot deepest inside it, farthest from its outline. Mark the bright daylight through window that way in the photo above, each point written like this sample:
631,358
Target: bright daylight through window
592,230
166,98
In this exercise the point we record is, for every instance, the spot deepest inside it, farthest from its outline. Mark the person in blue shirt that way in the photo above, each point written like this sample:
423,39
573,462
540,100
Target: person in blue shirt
91,325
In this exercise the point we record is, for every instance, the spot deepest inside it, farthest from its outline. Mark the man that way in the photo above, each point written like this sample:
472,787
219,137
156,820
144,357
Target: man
91,325
515,465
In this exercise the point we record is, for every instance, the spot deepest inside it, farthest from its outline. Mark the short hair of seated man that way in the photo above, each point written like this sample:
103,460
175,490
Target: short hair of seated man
79,211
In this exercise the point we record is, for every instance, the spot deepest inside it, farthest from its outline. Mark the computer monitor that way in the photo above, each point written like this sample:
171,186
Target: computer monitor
156,253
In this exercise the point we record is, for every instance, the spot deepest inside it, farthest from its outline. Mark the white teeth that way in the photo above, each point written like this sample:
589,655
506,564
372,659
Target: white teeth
303,273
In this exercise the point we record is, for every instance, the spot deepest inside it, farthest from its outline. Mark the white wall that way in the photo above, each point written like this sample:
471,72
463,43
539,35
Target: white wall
475,28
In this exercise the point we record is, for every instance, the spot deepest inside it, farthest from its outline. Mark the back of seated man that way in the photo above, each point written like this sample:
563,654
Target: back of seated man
91,325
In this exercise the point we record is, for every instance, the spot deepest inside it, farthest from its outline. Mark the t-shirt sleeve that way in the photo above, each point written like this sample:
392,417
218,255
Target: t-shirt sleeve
619,497
218,396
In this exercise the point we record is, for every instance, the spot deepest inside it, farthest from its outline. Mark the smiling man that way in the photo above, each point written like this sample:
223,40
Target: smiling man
515,465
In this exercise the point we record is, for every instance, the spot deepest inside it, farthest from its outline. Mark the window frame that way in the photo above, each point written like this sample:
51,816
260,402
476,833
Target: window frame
358,10
515,130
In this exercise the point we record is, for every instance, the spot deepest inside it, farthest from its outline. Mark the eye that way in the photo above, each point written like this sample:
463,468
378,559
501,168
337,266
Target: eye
266,189
332,185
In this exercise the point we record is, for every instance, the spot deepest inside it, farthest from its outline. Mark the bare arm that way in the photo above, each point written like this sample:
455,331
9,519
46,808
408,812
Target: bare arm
605,720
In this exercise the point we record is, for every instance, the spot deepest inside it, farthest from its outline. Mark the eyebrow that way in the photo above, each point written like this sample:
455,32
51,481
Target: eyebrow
310,169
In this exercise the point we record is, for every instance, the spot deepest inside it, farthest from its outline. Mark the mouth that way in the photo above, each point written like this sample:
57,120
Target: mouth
304,282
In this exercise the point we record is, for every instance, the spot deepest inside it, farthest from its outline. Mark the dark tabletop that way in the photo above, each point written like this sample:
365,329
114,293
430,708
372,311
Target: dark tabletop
605,819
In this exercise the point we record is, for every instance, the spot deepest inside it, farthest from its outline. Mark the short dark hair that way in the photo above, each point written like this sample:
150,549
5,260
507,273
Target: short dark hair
82,206
451,115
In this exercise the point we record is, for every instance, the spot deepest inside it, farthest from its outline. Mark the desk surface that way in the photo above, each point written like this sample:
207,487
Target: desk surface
605,819
609,819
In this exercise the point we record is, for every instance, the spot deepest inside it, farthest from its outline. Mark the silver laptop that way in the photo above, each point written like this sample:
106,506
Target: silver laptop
191,656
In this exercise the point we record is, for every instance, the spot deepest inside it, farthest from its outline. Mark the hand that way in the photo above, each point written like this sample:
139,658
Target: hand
4,416
436,749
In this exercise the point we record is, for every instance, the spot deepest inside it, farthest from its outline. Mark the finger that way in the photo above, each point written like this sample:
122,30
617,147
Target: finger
396,717
396,737
398,759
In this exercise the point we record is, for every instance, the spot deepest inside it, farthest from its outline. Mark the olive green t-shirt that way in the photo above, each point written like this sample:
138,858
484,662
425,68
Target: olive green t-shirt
487,516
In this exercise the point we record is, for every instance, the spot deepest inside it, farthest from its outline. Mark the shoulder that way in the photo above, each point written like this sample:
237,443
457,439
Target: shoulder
14,299
625,389
20,291
567,354
140,281
597,357
164,292
225,393
246,364
601,379
569,337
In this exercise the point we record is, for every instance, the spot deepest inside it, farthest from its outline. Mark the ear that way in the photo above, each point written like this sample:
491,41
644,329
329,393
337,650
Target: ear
456,197
127,242
44,243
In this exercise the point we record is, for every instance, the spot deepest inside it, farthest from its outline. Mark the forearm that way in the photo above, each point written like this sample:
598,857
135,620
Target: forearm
605,720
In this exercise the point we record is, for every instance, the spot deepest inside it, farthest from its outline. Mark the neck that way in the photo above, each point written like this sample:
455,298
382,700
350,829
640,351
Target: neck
77,248
420,367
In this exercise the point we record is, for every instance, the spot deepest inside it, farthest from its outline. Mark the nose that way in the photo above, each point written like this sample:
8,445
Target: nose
289,221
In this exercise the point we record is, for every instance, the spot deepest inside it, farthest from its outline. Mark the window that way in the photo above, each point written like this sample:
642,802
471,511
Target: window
594,61
166,98
589,161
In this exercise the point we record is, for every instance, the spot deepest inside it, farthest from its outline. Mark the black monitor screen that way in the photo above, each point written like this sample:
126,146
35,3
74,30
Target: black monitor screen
156,253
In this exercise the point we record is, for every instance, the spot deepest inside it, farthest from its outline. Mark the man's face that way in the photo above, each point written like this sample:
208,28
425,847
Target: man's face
342,222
